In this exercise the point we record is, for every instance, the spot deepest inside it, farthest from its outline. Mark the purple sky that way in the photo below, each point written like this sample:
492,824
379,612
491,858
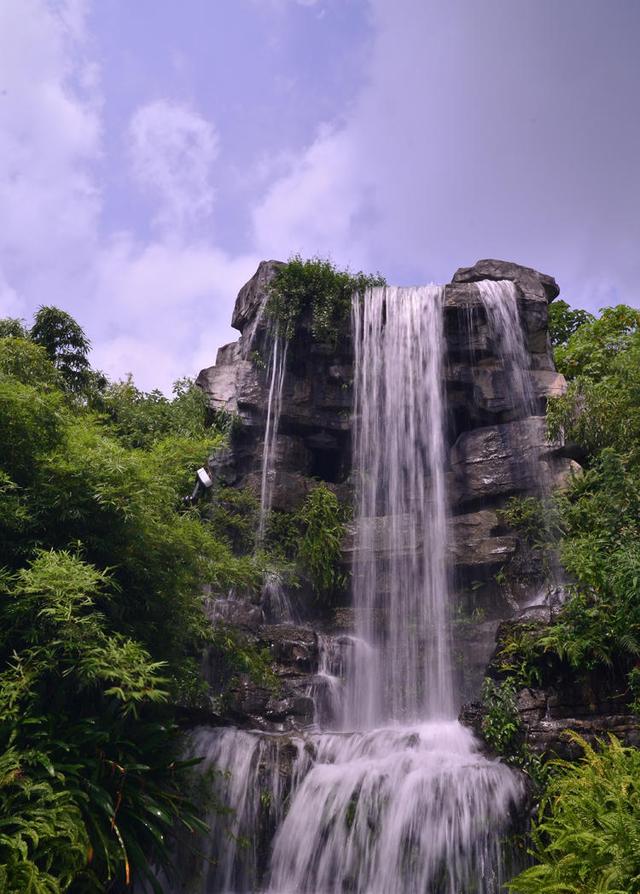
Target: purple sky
152,152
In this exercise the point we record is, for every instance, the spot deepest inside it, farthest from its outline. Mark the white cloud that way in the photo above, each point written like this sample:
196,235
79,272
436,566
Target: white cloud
158,308
164,307
49,139
323,204
172,149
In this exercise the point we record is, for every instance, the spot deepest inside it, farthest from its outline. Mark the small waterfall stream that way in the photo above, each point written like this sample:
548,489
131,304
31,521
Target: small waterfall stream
276,369
500,301
396,797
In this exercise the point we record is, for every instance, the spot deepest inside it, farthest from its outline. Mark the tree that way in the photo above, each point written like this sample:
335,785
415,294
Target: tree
101,620
11,327
593,346
66,344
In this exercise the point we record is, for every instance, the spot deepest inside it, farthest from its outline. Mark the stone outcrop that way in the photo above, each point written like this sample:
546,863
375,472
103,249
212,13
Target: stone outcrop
534,285
496,450
314,431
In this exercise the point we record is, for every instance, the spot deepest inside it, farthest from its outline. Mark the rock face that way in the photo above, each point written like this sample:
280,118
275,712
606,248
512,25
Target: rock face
496,451
314,431
593,704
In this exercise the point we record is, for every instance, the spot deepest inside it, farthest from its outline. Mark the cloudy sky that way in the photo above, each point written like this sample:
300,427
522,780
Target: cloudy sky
153,151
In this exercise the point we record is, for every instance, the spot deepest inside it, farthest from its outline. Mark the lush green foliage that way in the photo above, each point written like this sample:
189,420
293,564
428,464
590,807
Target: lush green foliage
526,515
309,542
600,549
234,516
101,614
314,290
12,327
564,321
65,343
142,419
320,548
500,721
502,729
595,523
587,837
603,410
592,349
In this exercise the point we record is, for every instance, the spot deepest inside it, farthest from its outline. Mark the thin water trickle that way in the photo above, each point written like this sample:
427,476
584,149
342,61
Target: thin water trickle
276,369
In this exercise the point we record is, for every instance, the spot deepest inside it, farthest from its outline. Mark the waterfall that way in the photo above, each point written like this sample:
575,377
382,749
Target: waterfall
400,588
500,301
407,803
276,368
401,810
396,796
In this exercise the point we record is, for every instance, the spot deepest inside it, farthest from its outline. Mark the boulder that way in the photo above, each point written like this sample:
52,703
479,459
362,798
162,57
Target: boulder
498,461
534,285
219,382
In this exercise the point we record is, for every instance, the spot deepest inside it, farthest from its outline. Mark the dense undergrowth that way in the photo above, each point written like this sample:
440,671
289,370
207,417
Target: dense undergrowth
102,615
101,620
586,836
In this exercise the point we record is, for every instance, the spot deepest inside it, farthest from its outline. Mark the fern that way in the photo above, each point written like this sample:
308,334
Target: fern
587,837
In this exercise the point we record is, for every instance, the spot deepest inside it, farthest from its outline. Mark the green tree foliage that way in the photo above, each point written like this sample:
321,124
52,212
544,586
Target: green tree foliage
11,327
319,553
593,347
564,321
142,419
602,405
66,345
314,290
101,616
600,549
589,813
587,837
597,519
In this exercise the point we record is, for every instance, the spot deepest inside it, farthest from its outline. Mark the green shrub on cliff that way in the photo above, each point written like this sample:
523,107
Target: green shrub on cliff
319,553
315,289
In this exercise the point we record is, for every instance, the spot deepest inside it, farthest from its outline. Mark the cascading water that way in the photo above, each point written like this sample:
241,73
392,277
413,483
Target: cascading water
399,800
500,301
411,807
400,576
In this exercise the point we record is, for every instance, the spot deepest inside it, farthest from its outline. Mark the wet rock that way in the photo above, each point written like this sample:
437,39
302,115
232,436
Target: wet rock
236,611
500,460
548,383
295,648
475,541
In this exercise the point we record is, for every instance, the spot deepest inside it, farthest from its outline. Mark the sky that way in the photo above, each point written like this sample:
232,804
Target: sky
153,152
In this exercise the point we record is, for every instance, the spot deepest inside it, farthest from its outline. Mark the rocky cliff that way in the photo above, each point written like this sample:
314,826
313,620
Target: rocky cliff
497,449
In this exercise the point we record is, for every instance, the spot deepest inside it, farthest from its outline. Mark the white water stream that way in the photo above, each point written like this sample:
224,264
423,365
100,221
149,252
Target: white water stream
398,798
276,369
